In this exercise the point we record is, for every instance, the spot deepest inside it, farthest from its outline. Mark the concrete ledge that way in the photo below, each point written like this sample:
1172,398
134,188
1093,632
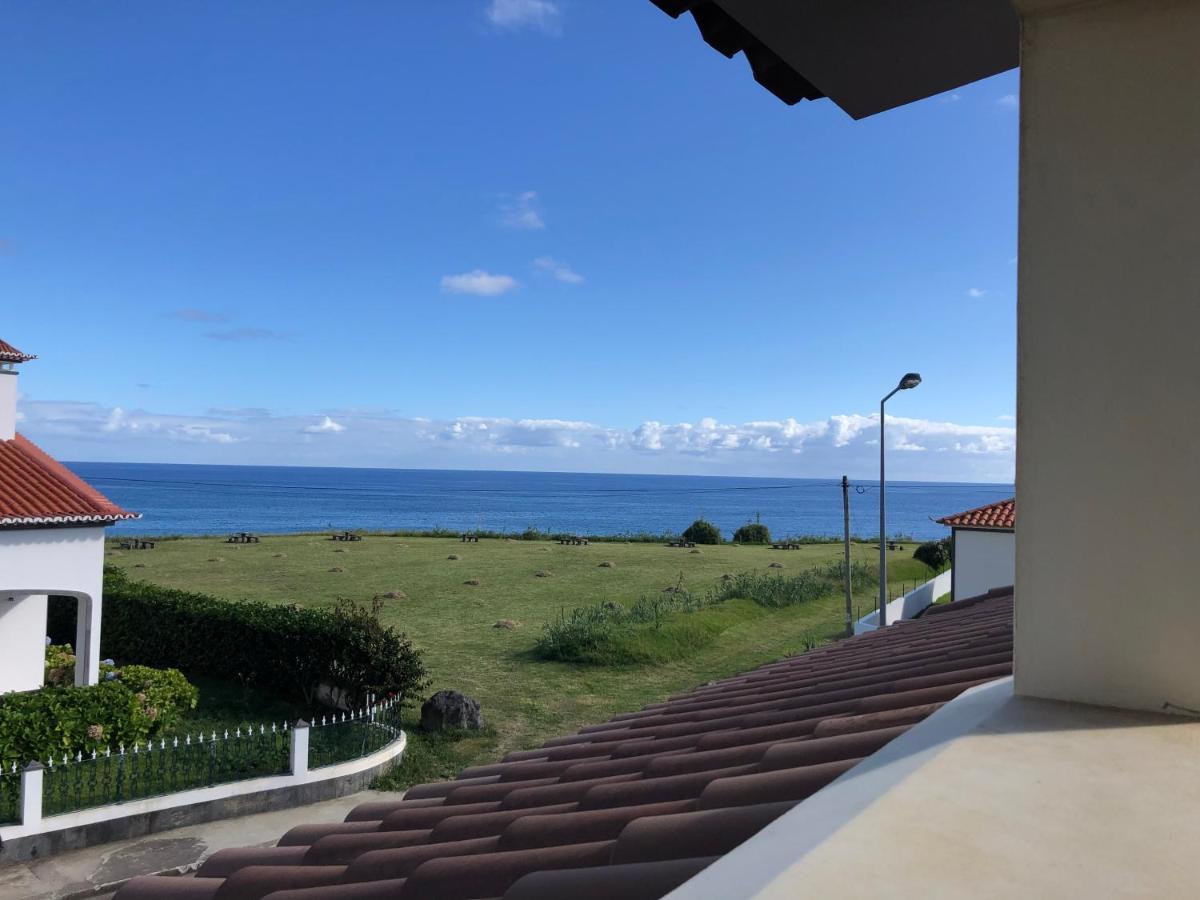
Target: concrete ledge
124,821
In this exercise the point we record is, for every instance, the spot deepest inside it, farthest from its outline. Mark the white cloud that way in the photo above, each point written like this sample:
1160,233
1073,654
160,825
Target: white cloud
559,270
512,15
1006,417
976,292
325,426
1009,101
845,443
479,283
522,211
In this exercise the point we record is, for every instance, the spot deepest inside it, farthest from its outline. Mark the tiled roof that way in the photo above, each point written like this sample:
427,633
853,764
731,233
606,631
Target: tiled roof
636,806
37,490
10,354
1002,515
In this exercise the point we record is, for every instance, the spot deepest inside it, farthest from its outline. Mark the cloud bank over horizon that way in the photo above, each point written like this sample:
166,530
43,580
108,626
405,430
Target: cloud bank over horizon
919,449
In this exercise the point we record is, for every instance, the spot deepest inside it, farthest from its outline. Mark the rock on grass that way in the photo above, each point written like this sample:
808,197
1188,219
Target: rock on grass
775,566
542,573
608,564
392,595
473,582
452,556
337,569
507,624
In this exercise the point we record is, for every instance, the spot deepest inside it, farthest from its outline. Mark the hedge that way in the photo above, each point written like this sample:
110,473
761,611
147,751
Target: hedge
289,649
132,703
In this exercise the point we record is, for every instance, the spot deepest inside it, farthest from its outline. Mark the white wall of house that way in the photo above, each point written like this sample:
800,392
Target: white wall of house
983,560
1108,471
8,404
33,563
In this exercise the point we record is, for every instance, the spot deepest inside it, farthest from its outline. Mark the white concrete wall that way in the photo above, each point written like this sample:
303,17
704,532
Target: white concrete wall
8,404
983,560
22,642
1108,462
909,605
34,562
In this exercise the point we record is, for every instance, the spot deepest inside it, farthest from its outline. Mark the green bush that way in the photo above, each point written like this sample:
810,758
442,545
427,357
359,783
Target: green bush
289,649
935,554
702,532
752,533
133,703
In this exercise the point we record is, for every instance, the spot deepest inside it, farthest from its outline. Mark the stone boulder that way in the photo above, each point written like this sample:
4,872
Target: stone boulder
450,709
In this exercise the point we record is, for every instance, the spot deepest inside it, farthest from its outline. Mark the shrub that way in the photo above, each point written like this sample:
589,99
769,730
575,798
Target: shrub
935,554
702,532
133,703
752,533
290,649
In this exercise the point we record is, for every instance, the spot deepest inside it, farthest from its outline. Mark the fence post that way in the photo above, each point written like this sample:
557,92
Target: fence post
299,752
31,794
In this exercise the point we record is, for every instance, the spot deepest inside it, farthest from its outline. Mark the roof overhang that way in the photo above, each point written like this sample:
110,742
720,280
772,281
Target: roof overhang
867,56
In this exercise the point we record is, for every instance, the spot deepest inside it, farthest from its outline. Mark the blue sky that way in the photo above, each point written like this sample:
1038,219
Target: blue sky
559,234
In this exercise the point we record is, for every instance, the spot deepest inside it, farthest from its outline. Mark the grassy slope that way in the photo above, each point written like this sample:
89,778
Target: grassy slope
524,700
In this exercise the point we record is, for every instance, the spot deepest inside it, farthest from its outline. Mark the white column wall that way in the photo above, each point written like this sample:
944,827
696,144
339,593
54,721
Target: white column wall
40,561
1108,462
22,642
983,560
8,405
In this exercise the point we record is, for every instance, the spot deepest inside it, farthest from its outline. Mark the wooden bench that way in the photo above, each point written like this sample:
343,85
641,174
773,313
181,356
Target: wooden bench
786,545
242,537
470,539
346,536
682,544
136,544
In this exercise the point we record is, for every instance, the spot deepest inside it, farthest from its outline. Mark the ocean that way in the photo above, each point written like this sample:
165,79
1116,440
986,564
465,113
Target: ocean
193,499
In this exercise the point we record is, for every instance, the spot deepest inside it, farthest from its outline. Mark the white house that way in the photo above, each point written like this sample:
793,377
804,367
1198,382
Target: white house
985,548
51,542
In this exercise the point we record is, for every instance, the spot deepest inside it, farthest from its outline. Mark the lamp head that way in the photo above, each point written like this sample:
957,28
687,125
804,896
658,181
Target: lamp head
910,381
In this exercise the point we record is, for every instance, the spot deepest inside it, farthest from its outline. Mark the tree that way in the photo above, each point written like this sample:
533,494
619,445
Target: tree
702,532
935,554
752,533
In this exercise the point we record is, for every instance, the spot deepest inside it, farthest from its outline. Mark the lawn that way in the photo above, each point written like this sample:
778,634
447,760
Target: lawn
525,700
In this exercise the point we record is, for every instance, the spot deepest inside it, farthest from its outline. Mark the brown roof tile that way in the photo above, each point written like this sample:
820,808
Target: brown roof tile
1002,515
633,807
10,354
37,490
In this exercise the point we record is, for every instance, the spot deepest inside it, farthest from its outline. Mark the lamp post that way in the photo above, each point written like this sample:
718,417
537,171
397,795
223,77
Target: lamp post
909,381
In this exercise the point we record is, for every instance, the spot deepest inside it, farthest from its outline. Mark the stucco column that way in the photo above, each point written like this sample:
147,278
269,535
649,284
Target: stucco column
1108,465
87,640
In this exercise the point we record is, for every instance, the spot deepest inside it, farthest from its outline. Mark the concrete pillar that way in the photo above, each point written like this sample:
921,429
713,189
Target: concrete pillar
31,794
299,748
1108,457
22,641
87,640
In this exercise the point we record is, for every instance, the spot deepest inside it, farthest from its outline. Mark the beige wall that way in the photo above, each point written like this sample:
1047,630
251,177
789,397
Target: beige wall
1108,462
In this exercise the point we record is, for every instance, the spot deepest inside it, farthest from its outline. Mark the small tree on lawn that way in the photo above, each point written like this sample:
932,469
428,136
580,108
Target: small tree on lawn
935,554
702,532
752,533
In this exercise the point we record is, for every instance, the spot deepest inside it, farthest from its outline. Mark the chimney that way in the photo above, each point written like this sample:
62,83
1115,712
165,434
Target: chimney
10,358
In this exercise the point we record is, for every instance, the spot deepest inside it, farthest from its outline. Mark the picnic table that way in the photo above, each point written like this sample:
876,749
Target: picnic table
786,545
346,536
136,544
682,544
575,540
470,539
892,545
242,537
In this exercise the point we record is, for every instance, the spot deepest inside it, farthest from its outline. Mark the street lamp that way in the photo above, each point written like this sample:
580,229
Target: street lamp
908,382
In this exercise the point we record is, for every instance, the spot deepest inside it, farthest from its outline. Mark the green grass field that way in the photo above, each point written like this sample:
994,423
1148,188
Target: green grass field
524,699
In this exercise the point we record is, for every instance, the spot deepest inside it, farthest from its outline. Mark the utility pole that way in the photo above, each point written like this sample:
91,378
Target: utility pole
849,587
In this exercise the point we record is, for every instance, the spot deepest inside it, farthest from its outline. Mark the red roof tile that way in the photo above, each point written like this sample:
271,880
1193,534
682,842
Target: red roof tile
10,354
37,490
1002,515
636,806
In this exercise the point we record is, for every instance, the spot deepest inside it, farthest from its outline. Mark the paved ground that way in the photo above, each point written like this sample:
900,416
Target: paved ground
97,871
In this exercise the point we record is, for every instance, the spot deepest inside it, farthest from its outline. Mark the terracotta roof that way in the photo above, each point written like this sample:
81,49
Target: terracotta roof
37,490
10,354
1001,516
865,56
636,806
